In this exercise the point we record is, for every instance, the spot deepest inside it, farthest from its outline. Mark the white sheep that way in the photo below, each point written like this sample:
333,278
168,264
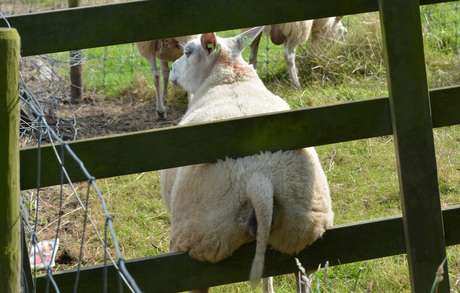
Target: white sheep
166,50
294,34
277,198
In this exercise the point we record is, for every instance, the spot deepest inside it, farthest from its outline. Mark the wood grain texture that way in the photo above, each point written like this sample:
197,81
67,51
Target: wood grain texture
414,142
178,146
176,272
96,26
10,220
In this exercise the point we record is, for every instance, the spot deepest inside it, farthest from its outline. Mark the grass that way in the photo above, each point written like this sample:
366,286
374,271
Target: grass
362,174
111,71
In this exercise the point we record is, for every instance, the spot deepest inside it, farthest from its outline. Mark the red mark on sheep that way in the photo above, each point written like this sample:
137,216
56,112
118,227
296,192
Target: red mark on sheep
235,67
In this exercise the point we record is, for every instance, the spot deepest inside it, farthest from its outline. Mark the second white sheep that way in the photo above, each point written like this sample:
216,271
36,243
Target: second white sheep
294,34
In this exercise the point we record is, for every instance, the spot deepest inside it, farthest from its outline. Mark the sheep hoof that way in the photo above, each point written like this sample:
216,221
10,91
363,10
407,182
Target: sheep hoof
295,83
297,87
161,115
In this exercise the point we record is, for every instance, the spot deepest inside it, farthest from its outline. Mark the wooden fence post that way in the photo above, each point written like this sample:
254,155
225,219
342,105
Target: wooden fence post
76,70
10,220
413,135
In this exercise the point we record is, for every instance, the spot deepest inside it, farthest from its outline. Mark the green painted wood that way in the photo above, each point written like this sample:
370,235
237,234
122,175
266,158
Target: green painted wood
173,147
176,272
10,221
88,27
445,106
74,3
413,136
178,146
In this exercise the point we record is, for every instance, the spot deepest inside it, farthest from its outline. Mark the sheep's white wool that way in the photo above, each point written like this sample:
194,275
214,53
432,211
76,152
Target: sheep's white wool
210,204
294,34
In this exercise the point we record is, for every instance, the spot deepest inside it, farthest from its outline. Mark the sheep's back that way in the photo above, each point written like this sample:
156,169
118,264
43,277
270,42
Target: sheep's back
231,101
297,33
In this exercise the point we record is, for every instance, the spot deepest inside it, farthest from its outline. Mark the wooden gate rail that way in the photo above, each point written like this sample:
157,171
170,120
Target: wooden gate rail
340,245
96,26
172,147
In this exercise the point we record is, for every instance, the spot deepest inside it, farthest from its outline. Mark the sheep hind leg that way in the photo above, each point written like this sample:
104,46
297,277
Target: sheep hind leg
289,57
161,112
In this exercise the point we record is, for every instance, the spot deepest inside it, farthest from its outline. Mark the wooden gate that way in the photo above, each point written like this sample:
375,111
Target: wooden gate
409,113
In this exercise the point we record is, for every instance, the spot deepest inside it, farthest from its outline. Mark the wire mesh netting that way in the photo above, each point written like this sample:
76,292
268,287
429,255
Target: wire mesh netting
43,253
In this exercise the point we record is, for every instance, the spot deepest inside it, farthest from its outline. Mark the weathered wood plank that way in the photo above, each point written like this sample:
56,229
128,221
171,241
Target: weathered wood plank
88,27
178,146
27,280
178,272
10,220
413,136
166,148
445,106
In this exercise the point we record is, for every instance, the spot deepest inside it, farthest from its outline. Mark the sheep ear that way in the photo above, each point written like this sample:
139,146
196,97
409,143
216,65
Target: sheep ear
246,38
209,42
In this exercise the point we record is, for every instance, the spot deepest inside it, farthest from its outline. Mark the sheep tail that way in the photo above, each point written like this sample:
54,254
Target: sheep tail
260,191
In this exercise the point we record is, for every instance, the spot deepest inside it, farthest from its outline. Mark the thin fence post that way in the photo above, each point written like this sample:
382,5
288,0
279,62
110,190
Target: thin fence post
76,70
10,220
413,134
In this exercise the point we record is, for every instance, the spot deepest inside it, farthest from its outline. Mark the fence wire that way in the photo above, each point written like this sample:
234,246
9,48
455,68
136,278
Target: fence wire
33,198
43,93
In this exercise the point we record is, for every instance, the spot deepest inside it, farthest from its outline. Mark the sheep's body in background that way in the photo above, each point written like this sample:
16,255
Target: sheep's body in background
330,27
294,34
281,198
165,50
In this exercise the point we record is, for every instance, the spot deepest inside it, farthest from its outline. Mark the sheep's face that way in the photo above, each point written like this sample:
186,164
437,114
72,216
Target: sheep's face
190,71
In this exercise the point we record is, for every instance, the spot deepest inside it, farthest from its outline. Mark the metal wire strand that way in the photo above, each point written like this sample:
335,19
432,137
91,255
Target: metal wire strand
43,129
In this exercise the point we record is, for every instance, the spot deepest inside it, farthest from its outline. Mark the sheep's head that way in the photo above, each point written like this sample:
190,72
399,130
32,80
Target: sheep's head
201,55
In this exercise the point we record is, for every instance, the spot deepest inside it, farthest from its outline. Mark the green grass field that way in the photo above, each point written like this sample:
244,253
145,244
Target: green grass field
362,174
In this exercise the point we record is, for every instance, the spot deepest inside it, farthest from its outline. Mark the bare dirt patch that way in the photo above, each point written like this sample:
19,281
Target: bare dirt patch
96,118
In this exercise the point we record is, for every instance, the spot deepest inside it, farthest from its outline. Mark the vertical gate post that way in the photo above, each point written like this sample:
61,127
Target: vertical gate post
76,69
10,220
414,143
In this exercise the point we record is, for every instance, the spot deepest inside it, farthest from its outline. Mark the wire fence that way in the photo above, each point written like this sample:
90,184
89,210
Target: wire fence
32,201
42,94
49,116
